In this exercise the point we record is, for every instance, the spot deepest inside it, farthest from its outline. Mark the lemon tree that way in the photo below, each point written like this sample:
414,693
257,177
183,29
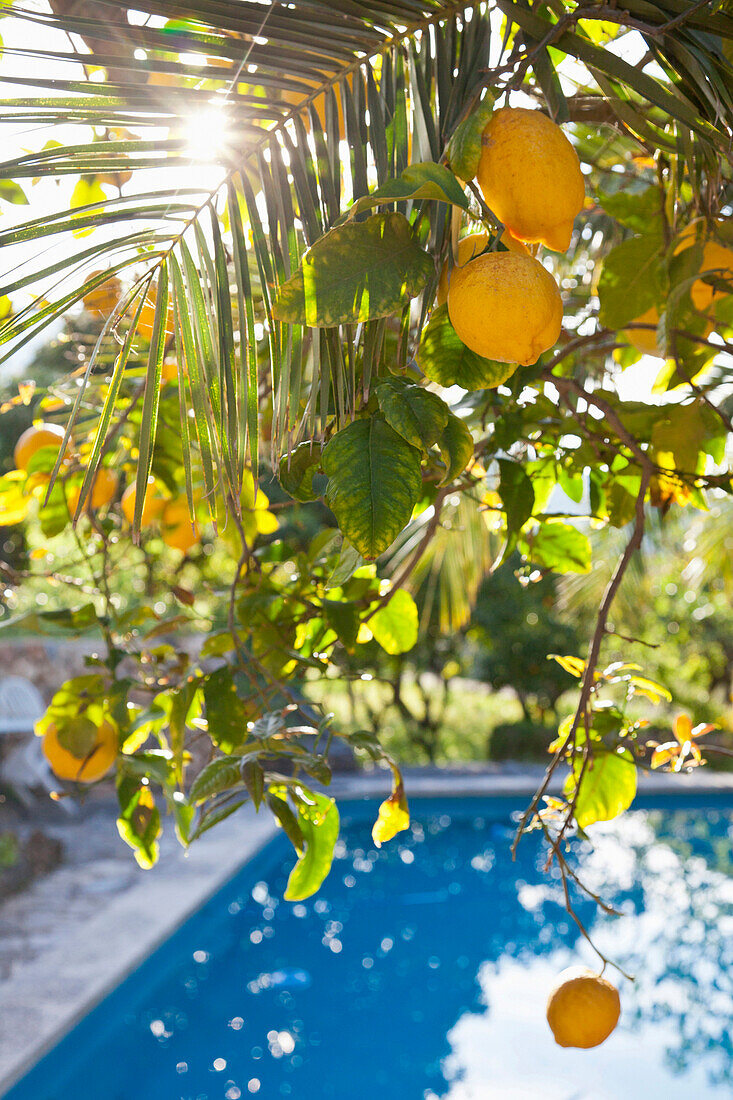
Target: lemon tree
397,342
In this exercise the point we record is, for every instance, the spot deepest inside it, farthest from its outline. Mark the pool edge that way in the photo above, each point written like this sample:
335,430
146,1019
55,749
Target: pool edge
60,986
83,971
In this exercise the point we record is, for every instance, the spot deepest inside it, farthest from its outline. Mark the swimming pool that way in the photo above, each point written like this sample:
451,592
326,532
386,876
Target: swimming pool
420,971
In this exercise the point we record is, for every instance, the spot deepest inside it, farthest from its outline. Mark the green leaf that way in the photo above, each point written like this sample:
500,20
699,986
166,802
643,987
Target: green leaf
139,821
73,620
559,546
318,818
418,415
621,505
456,447
78,736
635,209
222,774
343,620
296,470
374,483
216,645
632,280
54,512
608,787
349,561
395,625
517,494
445,359
426,180
464,147
357,272
212,818
225,712
254,781
13,192
285,816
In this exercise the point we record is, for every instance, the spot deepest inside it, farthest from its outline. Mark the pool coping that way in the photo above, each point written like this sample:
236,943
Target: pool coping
58,988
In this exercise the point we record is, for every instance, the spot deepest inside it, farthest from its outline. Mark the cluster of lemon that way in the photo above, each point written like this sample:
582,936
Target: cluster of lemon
504,305
170,512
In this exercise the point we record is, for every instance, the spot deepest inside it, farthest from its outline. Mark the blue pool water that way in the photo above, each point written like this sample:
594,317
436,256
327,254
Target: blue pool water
420,972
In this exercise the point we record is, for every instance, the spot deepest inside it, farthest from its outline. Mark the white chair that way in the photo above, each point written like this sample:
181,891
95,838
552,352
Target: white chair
25,768
21,705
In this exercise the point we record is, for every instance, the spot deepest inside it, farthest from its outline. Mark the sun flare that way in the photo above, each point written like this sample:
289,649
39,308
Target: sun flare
207,134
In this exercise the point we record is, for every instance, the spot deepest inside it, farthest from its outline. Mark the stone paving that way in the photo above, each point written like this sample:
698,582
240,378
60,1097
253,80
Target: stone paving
96,867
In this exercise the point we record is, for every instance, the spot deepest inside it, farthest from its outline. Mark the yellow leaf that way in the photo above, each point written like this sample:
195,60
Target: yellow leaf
265,521
682,728
394,815
86,193
650,689
660,756
26,391
13,502
574,665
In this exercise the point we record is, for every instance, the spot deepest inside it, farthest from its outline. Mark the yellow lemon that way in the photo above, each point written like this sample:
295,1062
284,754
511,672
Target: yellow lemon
505,307
583,1008
716,259
294,99
34,439
719,262
169,372
645,339
115,179
178,530
81,769
152,506
147,316
530,176
103,491
103,299
470,246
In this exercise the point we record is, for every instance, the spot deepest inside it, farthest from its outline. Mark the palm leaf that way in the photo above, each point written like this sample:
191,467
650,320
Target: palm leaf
295,82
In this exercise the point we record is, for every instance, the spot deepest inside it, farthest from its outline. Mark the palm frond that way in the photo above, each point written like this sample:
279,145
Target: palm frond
322,102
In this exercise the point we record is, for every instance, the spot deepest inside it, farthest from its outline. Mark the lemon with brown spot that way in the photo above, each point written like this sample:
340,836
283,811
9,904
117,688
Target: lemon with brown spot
96,746
505,307
35,439
583,1008
530,176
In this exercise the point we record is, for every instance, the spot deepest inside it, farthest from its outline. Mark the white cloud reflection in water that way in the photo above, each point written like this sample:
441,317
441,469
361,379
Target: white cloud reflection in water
674,1038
